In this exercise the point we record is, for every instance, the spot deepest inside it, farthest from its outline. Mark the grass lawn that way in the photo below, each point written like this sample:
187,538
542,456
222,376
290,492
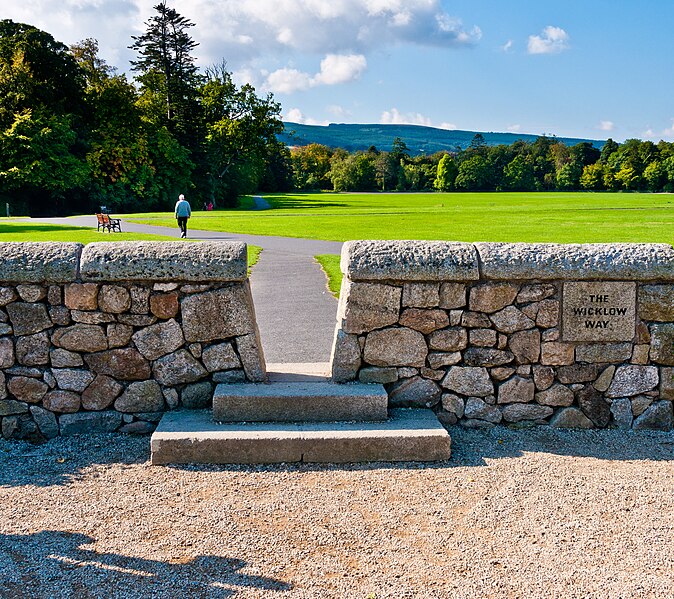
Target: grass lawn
25,230
528,217
330,265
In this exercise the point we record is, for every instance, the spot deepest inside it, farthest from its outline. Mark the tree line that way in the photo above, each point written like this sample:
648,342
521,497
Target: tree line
76,134
545,164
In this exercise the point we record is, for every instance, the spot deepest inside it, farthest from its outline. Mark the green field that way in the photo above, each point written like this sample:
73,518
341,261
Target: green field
526,217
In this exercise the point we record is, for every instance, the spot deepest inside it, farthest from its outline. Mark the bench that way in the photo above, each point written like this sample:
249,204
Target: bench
108,224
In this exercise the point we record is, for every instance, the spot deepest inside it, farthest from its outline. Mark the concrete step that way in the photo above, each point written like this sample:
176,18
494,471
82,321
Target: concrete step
193,437
299,402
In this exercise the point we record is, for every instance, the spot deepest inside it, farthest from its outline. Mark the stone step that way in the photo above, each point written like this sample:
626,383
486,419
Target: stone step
292,401
193,437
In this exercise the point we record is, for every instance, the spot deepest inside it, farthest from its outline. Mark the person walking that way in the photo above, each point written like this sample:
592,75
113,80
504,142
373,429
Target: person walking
183,211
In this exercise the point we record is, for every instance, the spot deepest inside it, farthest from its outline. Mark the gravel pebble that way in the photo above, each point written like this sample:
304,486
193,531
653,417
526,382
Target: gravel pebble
534,513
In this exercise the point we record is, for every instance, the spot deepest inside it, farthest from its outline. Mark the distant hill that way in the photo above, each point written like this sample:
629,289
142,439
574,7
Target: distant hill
420,140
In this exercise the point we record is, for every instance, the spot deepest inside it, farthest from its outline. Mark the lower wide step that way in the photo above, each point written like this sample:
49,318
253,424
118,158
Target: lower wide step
299,402
193,437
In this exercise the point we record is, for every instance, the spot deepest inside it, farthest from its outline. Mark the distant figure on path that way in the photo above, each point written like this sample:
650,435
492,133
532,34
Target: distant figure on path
183,211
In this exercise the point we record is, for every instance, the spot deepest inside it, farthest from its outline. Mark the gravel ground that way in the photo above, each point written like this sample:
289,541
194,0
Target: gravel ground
512,514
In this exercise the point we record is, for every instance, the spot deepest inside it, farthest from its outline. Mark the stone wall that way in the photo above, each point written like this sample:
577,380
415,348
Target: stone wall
575,336
108,336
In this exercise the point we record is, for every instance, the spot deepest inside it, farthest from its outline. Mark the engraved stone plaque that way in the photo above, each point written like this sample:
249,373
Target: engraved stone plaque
598,311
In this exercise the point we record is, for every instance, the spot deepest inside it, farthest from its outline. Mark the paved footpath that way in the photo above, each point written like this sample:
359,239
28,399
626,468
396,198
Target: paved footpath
295,311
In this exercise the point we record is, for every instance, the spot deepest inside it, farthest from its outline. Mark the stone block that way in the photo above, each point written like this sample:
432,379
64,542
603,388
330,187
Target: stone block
535,293
85,423
604,352
469,381
39,262
62,358
64,402
554,353
662,344
640,354
454,404
415,392
511,319
570,418
46,421
667,383
440,359
621,410
72,379
141,396
477,409
230,377
658,417
345,359
452,296
557,395
501,373
482,356
656,302
59,315
632,380
544,376
525,346
91,317
373,374
7,355
140,300
216,315
10,407
421,295
518,412
448,340
55,295
81,296
594,406
162,261
159,339
424,321
409,261
31,293
516,390
547,315
114,299
220,356
28,319
492,297
26,389
250,353
164,305
577,373
118,335
475,320
364,307
395,347
603,382
483,337
101,393
33,350
7,295
124,364
80,338
177,368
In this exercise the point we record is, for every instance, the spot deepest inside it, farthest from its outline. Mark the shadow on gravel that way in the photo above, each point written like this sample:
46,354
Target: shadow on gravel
57,564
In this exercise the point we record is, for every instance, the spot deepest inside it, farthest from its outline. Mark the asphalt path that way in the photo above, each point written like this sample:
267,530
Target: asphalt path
295,311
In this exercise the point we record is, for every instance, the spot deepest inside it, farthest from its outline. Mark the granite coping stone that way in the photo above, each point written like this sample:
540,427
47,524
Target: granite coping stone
409,261
578,262
165,261
39,262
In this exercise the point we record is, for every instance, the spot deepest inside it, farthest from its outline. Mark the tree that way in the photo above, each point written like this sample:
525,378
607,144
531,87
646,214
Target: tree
446,174
518,175
592,177
474,174
353,172
311,167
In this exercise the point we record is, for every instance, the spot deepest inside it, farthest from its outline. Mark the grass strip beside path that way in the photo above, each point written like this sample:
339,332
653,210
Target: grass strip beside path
330,265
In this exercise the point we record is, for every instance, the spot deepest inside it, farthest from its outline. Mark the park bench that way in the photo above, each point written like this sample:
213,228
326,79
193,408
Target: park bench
109,224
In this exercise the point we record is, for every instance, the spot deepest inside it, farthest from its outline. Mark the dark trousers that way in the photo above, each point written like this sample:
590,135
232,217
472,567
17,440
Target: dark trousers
182,223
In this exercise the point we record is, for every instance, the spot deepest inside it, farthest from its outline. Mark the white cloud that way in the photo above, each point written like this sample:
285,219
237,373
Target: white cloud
448,126
395,117
669,132
295,115
552,40
339,112
335,69
513,128
606,126
507,46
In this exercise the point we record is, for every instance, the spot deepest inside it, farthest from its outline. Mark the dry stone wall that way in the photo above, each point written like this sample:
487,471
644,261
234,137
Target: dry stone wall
578,336
108,336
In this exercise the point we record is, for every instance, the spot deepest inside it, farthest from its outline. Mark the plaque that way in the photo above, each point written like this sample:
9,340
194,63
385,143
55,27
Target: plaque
598,311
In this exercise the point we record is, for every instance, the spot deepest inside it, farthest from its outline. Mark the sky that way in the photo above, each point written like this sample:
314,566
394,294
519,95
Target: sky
572,68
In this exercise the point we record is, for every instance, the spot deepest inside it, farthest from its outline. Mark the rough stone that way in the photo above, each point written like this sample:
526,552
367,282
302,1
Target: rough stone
557,395
576,262
46,421
101,393
62,358
409,261
345,360
9,407
524,370
535,293
448,340
452,295
516,390
501,373
487,357
118,335
667,383
415,392
60,315
544,376
368,306
63,402
477,409
640,404
123,364
550,335
604,352
454,404
643,335
467,380
164,287
603,382
518,412
492,297
483,337
3,385
33,350
39,262
577,373
230,377
114,299
28,319
80,338
633,380
91,317
31,293
34,373
177,368
220,357
421,295
165,262
10,425
547,315
251,357
657,417
406,372
142,396
594,406
511,319
455,317
55,295
138,427
7,355
72,380
164,305
217,314
434,375
158,340
140,300
81,296
621,410
196,349
396,347
195,288
530,310
27,389
447,419
662,344
6,329
656,302
640,354
171,397
89,422
373,374
424,321
526,346
555,353
570,418
475,320
7,295
440,359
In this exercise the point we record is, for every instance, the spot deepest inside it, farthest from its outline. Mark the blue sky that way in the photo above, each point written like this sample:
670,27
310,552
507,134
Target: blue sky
592,69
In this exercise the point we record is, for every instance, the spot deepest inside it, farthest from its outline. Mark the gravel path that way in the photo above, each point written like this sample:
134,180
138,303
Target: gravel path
512,514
